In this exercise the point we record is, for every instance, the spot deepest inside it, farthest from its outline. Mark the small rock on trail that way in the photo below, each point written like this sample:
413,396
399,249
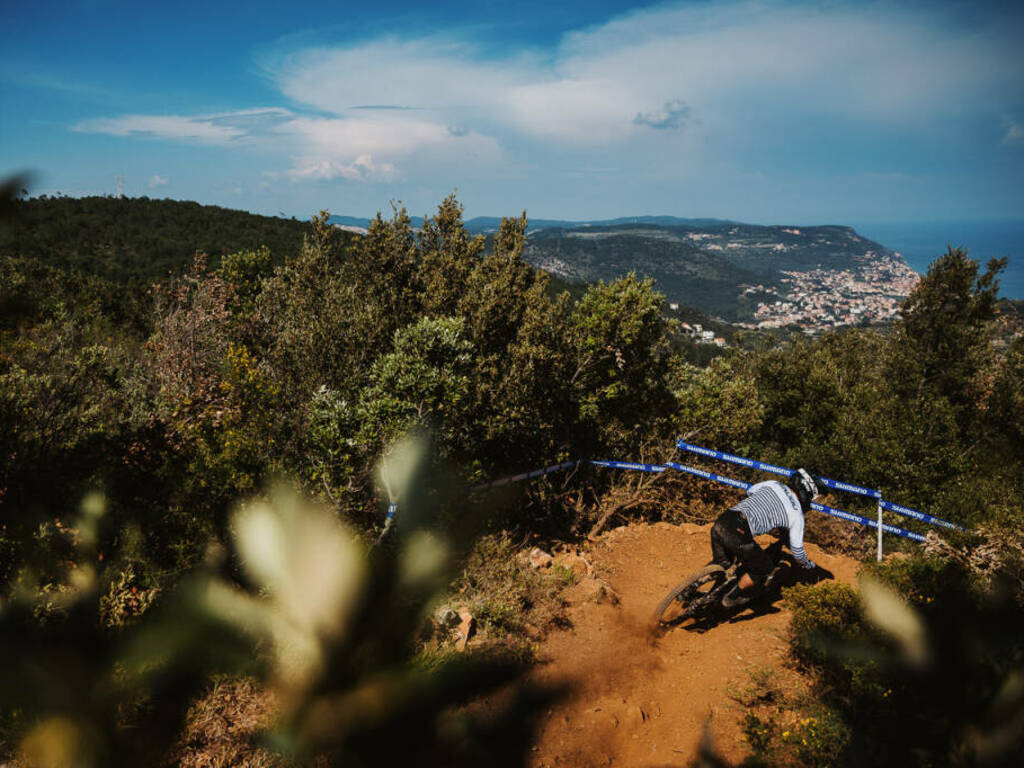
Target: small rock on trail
538,558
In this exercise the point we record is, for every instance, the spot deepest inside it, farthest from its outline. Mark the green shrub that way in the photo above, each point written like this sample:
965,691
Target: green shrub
831,609
125,601
927,679
326,627
820,739
760,735
917,577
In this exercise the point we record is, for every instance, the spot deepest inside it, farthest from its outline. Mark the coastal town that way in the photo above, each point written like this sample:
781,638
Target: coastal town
820,299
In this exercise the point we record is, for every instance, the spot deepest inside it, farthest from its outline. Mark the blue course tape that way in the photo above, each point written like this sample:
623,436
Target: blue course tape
392,508
774,468
751,463
525,475
629,465
820,507
922,516
838,485
709,475
866,521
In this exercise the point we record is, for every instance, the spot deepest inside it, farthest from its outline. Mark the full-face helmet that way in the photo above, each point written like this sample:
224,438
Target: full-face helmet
805,486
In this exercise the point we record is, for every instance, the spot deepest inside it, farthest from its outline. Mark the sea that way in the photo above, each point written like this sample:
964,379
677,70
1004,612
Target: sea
921,243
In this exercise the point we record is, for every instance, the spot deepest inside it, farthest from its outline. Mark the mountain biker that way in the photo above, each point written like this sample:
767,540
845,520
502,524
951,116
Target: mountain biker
769,505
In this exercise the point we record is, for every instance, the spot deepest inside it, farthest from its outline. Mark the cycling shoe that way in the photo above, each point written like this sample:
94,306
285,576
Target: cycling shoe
737,597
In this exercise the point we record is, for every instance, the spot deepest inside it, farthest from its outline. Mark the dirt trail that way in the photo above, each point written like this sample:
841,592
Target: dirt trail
639,702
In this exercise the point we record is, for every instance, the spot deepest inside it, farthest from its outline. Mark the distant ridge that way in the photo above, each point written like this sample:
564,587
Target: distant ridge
726,269
735,271
486,224
764,276
139,239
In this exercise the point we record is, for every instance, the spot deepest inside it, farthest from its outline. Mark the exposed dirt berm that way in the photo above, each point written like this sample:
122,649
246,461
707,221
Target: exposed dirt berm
638,701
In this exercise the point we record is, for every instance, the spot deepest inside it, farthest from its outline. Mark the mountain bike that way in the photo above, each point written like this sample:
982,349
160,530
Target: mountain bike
696,601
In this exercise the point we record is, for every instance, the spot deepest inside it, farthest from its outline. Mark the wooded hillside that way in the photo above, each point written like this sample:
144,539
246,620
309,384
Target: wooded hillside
138,239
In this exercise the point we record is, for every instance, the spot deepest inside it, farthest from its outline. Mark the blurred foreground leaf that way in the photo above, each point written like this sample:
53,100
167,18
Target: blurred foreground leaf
328,626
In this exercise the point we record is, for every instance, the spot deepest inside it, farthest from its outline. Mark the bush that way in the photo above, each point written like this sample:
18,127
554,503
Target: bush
919,667
830,609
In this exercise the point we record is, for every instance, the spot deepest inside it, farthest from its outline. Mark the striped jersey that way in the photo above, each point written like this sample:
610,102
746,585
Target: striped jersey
772,505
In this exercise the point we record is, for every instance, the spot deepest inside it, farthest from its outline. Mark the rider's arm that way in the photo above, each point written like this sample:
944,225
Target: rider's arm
796,543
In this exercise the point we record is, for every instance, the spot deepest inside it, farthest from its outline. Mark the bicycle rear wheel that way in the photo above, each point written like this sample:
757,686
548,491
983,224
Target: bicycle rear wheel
679,603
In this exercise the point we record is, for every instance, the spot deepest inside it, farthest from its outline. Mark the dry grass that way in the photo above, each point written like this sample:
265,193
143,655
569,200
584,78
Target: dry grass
509,599
226,726
840,537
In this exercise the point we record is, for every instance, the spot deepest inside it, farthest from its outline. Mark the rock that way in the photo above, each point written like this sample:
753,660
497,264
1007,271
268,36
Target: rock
575,563
594,590
467,625
539,558
446,617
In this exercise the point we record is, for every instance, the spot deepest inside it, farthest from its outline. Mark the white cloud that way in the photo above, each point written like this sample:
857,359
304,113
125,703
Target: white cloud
363,168
368,148
874,64
220,128
673,114
340,137
369,111
361,146
157,180
1014,135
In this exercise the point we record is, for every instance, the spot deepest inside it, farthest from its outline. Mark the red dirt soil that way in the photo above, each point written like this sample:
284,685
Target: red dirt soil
640,701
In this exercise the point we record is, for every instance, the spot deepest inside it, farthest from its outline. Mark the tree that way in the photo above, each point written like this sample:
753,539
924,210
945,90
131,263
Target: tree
945,323
422,383
1006,402
448,255
316,326
621,377
385,268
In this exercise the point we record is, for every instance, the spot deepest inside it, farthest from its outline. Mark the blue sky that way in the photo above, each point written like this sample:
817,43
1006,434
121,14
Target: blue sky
789,112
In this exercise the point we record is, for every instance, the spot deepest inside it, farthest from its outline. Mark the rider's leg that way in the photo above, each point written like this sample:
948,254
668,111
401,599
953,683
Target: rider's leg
756,562
727,538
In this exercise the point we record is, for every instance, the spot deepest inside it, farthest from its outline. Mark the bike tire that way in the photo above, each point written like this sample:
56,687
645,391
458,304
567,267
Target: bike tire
693,580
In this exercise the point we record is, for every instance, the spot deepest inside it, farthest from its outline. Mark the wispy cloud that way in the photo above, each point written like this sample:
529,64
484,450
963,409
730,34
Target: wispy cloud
383,107
1014,135
878,65
220,128
157,180
54,82
673,115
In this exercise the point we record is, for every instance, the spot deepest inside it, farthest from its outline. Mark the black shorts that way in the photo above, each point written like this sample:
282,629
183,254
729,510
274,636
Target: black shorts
731,541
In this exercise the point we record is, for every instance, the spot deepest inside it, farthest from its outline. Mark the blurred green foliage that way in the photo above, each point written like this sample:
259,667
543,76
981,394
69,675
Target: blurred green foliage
923,666
328,627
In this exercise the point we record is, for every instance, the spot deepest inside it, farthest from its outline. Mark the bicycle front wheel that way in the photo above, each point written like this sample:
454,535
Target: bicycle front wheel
687,594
